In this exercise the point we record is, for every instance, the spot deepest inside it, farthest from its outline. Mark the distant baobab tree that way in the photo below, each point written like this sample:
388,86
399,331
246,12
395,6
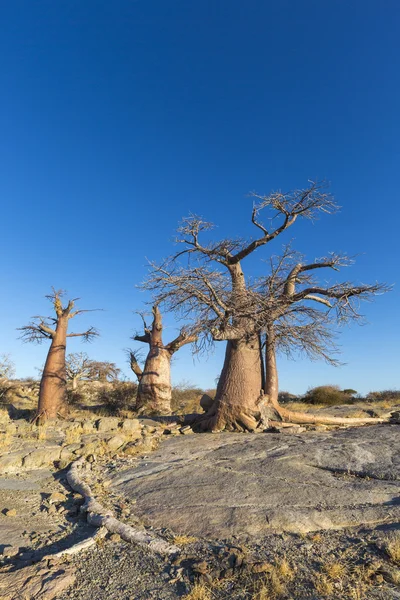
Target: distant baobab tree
79,367
210,289
52,401
154,390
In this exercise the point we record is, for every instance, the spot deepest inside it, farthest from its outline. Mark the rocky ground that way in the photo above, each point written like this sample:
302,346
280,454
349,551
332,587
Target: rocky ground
293,513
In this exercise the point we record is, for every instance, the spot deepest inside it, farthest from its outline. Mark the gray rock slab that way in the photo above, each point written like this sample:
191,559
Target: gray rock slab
24,494
219,485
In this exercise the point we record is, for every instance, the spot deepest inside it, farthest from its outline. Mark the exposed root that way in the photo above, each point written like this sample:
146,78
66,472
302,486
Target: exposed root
99,516
215,420
271,412
303,418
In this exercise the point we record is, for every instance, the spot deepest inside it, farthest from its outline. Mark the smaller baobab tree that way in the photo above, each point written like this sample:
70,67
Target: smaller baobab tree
52,391
78,367
103,371
155,390
301,313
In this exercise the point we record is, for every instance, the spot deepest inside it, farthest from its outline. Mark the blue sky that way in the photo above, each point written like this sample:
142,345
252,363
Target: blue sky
119,118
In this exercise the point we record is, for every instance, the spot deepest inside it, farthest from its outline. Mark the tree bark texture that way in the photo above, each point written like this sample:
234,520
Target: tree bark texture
54,379
239,389
154,391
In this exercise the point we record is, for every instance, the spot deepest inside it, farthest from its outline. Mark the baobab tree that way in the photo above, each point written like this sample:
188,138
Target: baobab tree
211,290
80,367
77,367
103,371
299,313
52,389
154,390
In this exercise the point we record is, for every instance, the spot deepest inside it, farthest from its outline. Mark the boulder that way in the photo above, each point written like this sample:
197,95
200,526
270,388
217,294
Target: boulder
115,442
206,402
107,423
12,462
131,425
42,457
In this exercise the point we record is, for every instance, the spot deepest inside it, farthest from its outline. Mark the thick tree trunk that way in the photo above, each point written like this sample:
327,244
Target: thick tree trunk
74,383
236,404
154,391
237,401
54,379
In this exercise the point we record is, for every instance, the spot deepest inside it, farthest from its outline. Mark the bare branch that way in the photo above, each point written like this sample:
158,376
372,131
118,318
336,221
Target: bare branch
87,336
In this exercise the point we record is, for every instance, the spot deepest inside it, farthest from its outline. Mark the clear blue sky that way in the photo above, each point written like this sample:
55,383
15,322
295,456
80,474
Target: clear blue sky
118,118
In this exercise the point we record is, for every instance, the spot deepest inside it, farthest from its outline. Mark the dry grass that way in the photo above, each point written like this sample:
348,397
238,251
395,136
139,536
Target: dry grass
392,547
184,540
273,585
42,431
6,438
323,585
335,570
199,592
262,593
73,435
284,570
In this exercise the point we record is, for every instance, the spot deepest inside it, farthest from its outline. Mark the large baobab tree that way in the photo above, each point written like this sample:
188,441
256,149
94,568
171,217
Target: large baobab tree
53,382
210,288
154,390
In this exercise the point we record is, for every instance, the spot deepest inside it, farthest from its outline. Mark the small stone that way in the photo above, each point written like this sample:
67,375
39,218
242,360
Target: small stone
10,551
10,512
149,430
186,429
200,567
107,423
115,537
115,442
131,425
57,497
261,567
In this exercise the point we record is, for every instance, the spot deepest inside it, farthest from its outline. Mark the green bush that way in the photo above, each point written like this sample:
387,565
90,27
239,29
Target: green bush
327,395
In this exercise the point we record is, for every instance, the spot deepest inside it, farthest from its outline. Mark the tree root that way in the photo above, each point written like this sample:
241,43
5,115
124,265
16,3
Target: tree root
212,421
302,418
98,516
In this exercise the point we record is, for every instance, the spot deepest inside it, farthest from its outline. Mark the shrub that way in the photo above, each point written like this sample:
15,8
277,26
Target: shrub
5,387
327,395
121,396
186,398
384,396
74,397
286,397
